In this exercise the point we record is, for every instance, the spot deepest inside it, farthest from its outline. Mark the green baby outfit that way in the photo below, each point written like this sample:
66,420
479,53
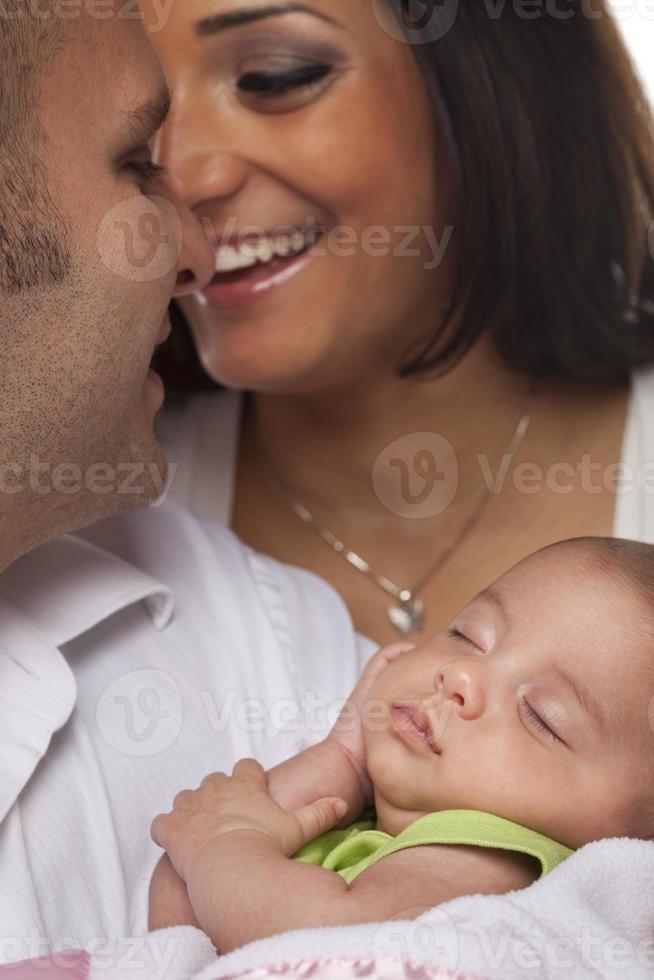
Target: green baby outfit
352,850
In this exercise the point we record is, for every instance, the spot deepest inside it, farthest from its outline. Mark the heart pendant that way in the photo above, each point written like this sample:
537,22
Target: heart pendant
407,617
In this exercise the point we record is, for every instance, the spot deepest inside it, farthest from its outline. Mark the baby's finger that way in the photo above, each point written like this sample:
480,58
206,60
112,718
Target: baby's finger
395,650
159,829
251,769
183,797
214,782
317,818
375,666
383,658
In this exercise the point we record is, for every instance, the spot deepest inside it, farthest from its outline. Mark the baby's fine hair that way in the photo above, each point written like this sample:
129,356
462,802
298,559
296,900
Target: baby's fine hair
633,561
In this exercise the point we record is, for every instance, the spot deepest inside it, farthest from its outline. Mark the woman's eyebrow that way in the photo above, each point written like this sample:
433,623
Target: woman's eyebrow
236,18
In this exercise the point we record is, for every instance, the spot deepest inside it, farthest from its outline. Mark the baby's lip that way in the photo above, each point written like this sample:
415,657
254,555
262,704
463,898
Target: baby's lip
421,720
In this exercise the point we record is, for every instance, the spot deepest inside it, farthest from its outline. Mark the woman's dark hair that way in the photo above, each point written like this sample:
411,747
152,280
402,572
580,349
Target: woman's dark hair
549,139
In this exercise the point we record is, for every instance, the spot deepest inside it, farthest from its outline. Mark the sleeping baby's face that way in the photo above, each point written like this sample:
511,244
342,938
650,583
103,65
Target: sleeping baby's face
537,705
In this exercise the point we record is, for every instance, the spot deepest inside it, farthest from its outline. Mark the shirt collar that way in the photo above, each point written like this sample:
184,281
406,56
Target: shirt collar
69,585
48,598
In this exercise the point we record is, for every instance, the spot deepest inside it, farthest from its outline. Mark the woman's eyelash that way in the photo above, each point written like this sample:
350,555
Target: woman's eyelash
537,722
268,83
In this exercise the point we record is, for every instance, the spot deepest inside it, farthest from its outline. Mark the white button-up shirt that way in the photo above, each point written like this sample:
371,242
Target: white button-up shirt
133,661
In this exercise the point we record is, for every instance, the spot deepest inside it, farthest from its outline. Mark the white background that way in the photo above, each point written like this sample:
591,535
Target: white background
636,18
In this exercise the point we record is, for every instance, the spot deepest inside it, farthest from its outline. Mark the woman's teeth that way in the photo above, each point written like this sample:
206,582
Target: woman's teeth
230,258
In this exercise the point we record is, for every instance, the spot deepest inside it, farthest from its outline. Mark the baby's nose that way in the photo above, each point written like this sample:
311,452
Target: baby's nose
462,689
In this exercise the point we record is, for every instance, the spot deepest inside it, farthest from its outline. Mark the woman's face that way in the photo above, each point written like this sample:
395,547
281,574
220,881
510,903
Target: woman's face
306,132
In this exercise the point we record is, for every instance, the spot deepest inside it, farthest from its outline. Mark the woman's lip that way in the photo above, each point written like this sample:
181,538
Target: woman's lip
254,284
413,727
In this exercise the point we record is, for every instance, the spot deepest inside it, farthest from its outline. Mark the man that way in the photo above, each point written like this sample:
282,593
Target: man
126,657
80,318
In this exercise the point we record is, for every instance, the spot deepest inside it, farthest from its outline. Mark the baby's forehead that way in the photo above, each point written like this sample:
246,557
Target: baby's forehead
577,571
588,616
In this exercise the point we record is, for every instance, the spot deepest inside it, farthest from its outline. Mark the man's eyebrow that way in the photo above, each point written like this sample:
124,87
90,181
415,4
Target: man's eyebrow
145,120
584,698
237,18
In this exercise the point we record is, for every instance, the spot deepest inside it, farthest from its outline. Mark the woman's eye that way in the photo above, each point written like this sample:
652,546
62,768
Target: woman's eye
271,84
535,720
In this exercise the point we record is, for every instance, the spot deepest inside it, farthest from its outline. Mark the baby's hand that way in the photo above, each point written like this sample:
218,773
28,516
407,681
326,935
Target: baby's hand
347,732
202,819
168,901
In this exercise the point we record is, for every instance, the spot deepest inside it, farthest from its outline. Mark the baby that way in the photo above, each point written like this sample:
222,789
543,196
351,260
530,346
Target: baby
491,752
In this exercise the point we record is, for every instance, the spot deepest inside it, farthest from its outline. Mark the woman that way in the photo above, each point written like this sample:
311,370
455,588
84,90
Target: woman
449,277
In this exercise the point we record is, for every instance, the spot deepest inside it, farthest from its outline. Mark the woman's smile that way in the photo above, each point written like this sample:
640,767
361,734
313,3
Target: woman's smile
249,267
285,117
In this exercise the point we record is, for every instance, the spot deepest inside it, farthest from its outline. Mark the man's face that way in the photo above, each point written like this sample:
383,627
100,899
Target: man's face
77,400
484,716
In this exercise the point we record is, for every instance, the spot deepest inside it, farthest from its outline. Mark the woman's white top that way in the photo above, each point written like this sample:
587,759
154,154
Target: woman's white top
201,439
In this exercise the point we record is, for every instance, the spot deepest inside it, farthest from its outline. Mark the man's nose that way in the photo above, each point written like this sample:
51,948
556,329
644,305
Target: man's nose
461,686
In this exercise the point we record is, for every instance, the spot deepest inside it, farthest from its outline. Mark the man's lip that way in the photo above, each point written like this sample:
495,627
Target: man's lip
421,720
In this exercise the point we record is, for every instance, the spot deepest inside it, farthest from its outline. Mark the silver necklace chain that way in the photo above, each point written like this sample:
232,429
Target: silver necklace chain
407,612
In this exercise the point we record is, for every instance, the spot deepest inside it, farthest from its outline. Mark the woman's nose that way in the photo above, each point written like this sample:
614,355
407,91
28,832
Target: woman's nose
196,261
201,166
458,684
196,266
